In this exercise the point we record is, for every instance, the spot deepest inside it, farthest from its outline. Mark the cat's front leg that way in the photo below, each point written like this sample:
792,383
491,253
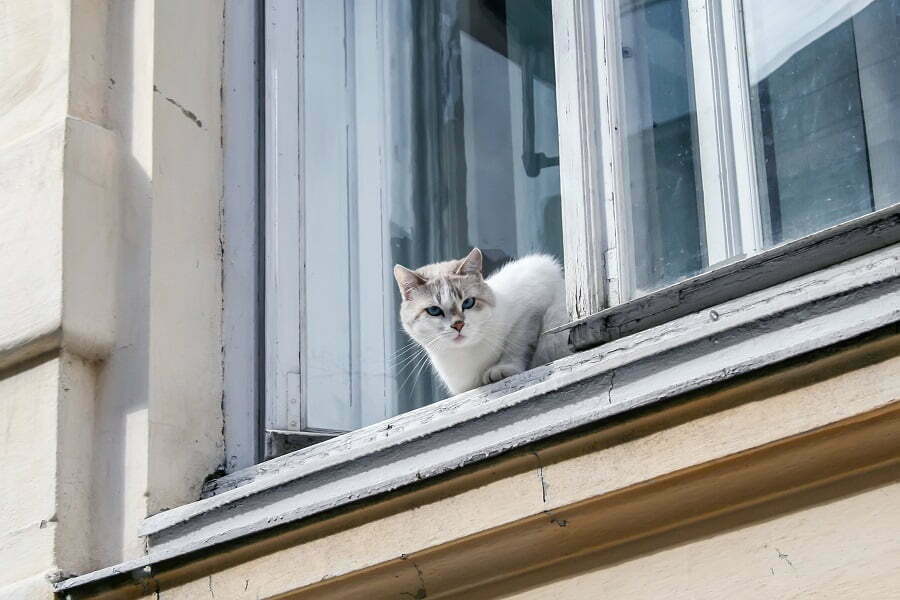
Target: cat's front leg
517,351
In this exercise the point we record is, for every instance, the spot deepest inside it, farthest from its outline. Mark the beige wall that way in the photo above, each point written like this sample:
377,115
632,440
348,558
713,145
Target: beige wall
110,266
842,548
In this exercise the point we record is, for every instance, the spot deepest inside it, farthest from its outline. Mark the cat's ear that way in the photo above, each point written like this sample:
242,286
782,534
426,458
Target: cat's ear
407,281
471,264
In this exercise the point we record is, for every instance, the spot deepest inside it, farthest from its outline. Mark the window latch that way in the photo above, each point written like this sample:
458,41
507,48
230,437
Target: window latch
534,162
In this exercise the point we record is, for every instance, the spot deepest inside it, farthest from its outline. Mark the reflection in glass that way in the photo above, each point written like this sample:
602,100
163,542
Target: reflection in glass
663,172
825,93
430,127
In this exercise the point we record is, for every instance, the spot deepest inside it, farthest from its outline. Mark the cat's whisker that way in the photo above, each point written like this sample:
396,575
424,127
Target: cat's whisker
419,348
413,375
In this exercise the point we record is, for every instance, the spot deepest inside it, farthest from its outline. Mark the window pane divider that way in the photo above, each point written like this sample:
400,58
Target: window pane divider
609,89
720,198
741,126
584,214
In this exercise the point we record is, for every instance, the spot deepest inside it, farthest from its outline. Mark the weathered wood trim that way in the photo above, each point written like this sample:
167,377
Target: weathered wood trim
789,474
774,266
683,355
617,241
579,145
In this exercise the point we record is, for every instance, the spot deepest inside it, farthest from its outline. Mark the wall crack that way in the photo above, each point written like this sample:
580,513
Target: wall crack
421,593
187,113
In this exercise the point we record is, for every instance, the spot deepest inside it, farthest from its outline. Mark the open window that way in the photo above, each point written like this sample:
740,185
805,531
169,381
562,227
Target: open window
410,132
673,153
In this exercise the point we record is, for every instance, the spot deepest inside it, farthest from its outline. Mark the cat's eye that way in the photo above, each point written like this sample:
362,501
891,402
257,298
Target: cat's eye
434,311
468,303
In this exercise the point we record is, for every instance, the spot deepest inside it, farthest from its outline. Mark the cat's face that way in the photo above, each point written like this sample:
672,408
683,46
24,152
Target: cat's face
446,305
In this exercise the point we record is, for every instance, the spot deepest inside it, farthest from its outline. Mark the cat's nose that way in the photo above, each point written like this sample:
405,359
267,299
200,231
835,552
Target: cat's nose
458,325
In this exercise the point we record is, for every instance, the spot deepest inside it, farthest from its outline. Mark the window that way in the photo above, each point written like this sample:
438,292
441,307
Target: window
693,138
726,130
737,126
825,100
426,128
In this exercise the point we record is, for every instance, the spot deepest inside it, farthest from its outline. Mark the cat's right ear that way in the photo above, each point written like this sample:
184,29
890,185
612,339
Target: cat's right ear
407,281
471,264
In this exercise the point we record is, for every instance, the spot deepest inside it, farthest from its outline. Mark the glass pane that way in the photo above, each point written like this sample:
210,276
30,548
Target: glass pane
825,93
430,128
663,171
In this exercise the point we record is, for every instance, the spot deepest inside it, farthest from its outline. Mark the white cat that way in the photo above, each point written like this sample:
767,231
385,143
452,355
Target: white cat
477,331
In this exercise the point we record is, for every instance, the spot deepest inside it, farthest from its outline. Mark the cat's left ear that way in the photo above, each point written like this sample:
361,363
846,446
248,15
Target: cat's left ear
471,264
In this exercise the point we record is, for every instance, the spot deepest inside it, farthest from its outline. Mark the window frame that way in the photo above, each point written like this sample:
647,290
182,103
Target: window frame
602,304
593,179
242,286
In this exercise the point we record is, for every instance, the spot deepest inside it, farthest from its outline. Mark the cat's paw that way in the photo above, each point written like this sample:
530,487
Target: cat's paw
499,371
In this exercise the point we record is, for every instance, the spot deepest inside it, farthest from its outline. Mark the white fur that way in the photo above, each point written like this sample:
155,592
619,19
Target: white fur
529,299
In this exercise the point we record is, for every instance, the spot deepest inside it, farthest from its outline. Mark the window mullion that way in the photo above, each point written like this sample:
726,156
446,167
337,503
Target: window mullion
591,282
722,216
619,249
746,182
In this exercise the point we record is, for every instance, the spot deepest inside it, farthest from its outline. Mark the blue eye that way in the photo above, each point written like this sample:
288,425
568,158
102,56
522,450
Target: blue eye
434,311
468,303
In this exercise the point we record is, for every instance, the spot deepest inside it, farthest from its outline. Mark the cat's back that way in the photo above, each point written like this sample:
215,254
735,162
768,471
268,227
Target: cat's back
533,279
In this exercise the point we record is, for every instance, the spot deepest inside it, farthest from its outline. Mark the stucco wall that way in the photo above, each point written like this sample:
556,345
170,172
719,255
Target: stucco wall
110,266
846,548
27,456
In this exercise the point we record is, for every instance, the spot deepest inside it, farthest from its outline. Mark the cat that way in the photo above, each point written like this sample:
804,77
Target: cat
477,331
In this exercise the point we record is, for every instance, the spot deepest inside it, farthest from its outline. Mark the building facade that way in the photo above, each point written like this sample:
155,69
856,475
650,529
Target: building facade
729,424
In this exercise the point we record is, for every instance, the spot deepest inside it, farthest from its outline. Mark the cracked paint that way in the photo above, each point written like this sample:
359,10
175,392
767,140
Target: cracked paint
187,113
540,474
784,557
420,593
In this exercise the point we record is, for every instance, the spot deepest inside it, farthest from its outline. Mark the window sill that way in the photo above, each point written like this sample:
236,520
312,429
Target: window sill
708,347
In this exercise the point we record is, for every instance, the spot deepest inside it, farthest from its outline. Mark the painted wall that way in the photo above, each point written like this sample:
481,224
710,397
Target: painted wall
110,268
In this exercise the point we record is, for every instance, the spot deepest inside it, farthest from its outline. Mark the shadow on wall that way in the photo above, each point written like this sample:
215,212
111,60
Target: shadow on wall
121,418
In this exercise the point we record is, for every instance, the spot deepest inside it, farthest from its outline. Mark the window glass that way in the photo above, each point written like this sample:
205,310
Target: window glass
663,171
430,127
825,95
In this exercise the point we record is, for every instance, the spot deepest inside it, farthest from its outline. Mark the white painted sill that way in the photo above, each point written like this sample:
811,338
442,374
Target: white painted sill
808,313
